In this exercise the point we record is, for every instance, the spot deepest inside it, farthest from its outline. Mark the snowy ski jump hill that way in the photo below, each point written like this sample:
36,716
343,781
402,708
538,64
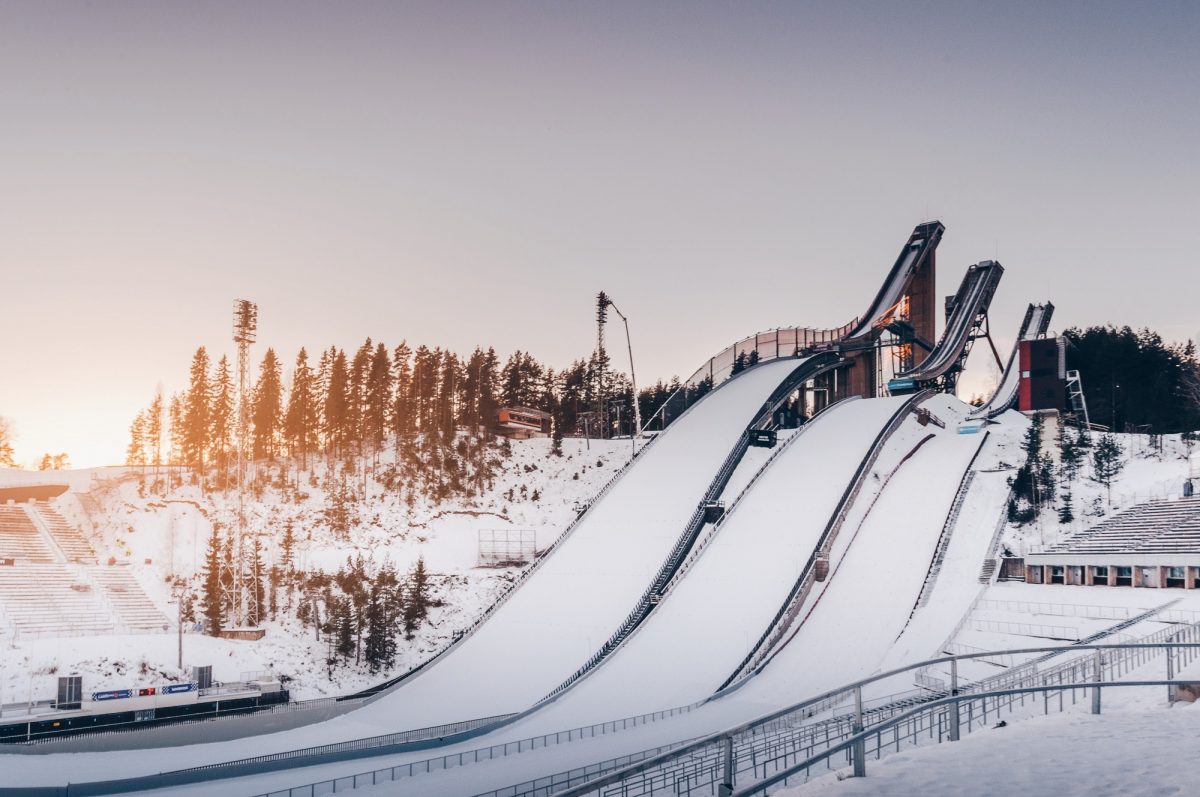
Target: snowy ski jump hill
707,584
737,588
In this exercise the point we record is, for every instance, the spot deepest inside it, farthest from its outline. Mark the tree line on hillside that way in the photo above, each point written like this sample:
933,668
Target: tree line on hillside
361,610
347,405
1134,381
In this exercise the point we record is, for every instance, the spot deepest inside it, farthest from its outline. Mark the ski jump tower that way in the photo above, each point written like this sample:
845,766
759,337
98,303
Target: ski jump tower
906,306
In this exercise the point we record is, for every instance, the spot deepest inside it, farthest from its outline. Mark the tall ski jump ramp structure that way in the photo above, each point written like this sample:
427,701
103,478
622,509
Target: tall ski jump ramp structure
651,599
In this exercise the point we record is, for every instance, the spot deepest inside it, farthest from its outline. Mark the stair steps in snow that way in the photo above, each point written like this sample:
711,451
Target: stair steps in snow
987,571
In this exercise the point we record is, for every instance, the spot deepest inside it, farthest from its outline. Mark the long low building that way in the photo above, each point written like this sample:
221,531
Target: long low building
1150,545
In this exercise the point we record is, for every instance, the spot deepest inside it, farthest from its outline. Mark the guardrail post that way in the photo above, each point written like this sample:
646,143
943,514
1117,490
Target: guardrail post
954,717
858,749
1170,675
726,787
1097,677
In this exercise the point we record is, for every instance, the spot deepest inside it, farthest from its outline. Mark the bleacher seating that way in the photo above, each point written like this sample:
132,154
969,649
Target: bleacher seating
1160,527
68,538
20,538
51,600
134,609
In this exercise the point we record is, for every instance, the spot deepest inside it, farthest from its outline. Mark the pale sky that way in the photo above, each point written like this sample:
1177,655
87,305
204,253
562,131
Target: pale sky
462,174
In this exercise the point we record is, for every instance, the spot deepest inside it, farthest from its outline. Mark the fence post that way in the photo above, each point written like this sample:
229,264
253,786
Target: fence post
858,749
1170,675
726,787
954,719
1097,677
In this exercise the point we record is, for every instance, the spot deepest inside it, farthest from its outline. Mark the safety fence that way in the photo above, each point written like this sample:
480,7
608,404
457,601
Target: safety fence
453,760
771,344
789,745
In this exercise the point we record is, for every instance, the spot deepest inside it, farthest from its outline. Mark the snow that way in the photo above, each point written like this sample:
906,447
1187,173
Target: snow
557,620
172,532
1140,750
855,624
859,611
704,628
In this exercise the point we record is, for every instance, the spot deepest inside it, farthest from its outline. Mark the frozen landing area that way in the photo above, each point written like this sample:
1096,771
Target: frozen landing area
1133,751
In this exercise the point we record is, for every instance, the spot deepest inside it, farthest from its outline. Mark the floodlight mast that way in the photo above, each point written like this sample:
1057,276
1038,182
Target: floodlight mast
606,301
245,332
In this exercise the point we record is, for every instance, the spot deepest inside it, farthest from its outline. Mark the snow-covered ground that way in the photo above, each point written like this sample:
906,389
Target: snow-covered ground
1134,749
163,537
856,623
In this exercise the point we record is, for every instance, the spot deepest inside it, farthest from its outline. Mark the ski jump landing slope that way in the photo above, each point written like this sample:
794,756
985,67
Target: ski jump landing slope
1035,324
710,620
850,626
582,593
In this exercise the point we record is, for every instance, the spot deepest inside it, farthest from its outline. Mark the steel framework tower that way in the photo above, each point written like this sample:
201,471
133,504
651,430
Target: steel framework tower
245,331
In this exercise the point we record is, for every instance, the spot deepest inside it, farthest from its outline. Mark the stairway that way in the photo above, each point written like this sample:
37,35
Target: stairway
987,571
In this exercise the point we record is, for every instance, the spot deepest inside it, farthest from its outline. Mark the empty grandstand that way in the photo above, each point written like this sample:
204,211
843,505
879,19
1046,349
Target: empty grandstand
50,584
20,539
132,608
1151,545
51,600
68,538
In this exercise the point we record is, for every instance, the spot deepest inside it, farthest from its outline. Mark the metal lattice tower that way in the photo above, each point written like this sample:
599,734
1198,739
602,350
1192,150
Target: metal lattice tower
602,302
245,331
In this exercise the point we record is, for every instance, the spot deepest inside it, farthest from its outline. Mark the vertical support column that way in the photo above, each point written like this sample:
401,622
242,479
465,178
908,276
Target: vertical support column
858,751
1170,675
726,787
1097,677
954,715
922,299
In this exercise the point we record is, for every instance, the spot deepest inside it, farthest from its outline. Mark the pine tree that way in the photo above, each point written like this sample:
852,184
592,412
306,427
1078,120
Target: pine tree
344,625
196,420
337,406
378,400
1066,510
135,454
6,449
416,607
402,412
1107,463
154,432
213,594
176,414
268,407
556,438
223,421
302,416
360,369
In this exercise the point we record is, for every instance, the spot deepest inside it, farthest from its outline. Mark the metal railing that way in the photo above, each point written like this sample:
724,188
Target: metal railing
771,344
779,747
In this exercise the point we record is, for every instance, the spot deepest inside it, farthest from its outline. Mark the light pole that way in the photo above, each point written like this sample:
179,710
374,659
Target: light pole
180,589
637,412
